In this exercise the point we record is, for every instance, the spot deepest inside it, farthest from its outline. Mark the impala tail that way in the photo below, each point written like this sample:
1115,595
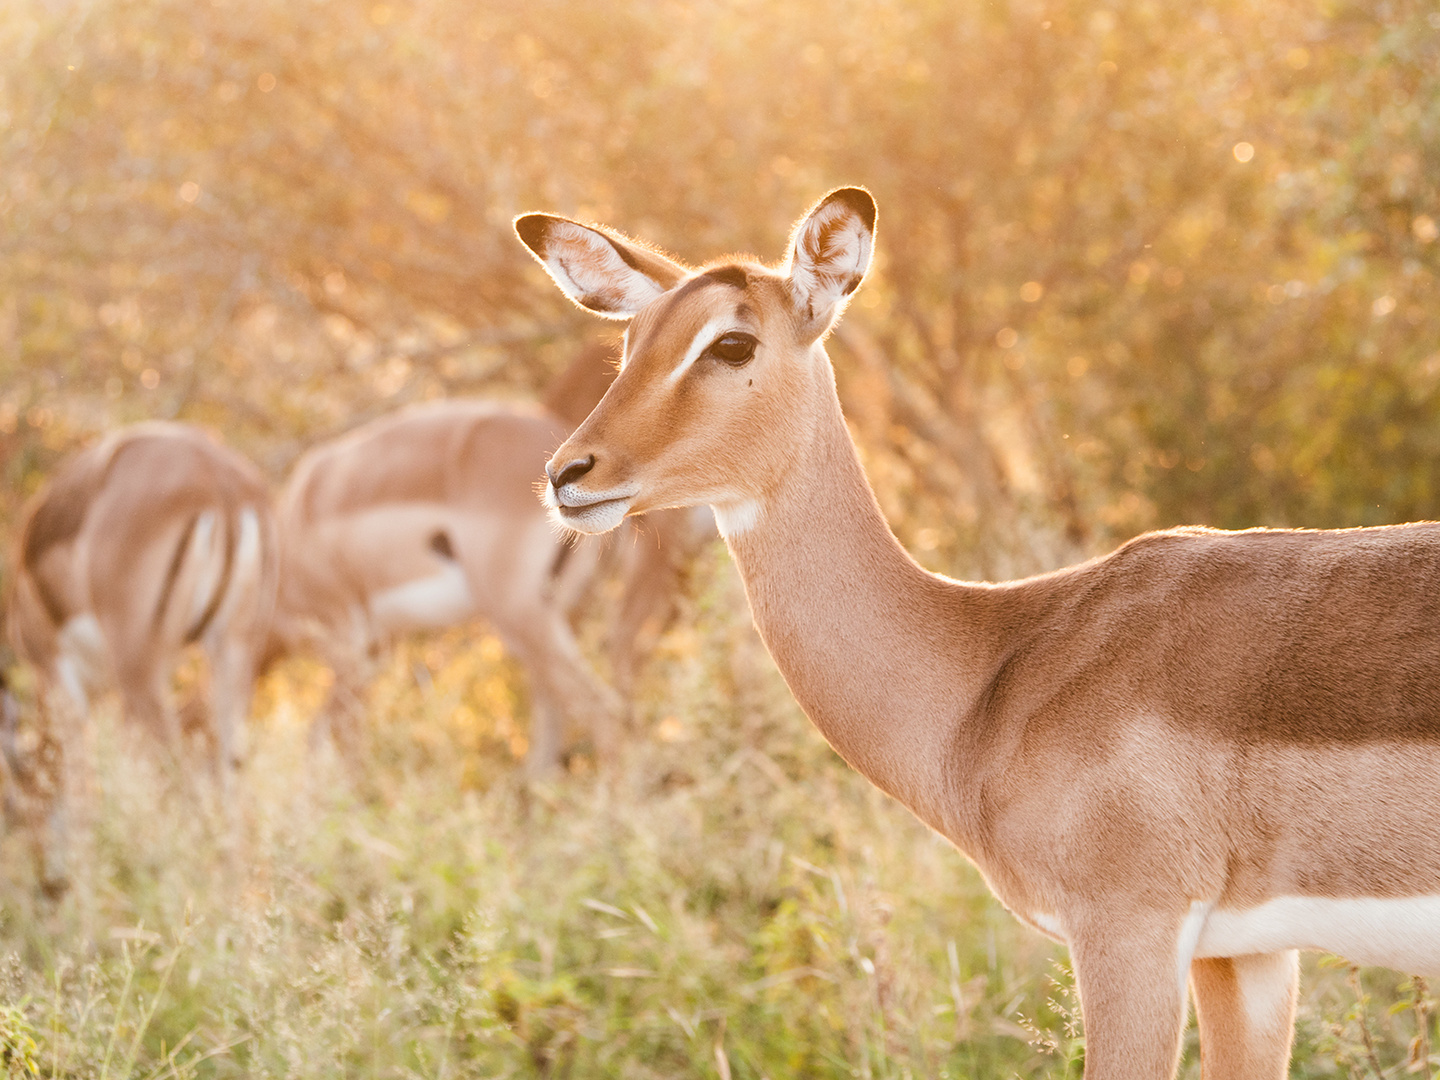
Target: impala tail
221,558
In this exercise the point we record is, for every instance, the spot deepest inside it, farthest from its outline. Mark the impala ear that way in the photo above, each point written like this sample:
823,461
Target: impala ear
830,252
600,271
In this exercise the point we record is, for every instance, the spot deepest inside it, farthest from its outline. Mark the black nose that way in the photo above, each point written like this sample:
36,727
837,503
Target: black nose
571,472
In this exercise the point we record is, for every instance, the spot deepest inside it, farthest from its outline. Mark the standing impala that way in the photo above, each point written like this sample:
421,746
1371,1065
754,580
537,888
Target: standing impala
152,539
1186,760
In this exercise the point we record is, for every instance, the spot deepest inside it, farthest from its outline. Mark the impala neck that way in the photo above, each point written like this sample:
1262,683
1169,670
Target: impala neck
882,655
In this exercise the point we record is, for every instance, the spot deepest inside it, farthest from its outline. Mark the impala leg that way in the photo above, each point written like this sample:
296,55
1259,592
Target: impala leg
650,579
654,571
341,716
547,735
1245,1006
64,840
232,676
145,697
1133,1000
562,684
580,693
544,666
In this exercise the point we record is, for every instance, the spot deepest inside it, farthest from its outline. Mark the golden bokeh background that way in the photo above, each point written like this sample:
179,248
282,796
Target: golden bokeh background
1140,263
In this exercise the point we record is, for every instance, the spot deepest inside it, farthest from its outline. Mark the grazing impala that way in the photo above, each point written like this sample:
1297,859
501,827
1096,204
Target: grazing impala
424,519
1186,760
154,538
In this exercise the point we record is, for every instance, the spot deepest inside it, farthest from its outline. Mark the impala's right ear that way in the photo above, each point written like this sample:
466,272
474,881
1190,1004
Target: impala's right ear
600,271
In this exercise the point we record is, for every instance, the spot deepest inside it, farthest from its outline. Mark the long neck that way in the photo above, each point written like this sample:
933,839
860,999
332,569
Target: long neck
884,657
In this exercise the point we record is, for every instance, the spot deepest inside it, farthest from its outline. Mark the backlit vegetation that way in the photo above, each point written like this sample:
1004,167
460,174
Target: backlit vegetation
1139,264
734,895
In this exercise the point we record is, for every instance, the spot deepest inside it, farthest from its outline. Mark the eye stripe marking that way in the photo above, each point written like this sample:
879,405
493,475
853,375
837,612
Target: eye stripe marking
706,335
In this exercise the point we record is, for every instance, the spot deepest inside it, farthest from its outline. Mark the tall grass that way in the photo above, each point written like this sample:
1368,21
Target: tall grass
731,902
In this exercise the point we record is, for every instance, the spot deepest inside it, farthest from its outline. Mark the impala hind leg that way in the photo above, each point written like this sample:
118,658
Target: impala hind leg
1132,998
512,582
1245,1006
143,679
62,794
232,683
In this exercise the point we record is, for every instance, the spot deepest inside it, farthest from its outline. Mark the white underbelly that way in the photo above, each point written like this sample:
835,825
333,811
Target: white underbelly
427,603
1401,933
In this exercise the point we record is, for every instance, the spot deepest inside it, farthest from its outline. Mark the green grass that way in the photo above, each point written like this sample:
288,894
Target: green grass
732,901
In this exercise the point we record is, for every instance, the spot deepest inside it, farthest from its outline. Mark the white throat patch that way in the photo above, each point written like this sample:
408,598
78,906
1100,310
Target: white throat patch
736,518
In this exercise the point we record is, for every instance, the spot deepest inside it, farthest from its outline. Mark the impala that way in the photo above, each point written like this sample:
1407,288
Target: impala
154,538
424,519
1186,760
659,547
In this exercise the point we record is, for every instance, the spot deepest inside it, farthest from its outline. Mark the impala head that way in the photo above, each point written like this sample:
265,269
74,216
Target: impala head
722,373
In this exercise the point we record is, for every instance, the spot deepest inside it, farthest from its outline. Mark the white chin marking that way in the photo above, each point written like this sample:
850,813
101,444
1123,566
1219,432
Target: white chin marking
598,518
736,518
1401,933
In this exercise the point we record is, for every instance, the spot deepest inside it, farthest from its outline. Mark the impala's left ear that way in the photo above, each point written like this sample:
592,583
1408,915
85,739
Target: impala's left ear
830,252
600,270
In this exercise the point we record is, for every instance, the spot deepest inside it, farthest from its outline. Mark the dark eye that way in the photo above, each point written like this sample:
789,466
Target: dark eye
735,349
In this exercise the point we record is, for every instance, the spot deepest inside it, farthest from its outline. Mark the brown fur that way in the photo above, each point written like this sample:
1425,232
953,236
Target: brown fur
1235,1044
110,537
571,395
400,499
1198,718
660,545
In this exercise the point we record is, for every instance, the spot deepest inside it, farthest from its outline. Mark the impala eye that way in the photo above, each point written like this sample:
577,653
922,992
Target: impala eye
735,349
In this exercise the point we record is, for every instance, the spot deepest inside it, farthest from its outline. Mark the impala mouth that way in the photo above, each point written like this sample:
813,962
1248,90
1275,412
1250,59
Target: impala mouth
586,511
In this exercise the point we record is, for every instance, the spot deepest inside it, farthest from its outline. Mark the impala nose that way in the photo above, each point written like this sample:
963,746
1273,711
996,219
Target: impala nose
571,472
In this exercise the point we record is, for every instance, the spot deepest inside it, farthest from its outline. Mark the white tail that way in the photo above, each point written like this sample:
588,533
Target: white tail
1186,760
152,539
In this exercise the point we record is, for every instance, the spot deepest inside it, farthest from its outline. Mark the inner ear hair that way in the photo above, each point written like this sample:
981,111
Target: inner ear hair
598,269
831,250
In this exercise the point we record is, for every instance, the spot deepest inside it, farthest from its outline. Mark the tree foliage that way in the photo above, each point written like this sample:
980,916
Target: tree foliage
1139,265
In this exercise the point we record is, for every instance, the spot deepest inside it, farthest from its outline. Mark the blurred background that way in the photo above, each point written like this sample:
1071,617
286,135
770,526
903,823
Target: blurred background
1139,264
